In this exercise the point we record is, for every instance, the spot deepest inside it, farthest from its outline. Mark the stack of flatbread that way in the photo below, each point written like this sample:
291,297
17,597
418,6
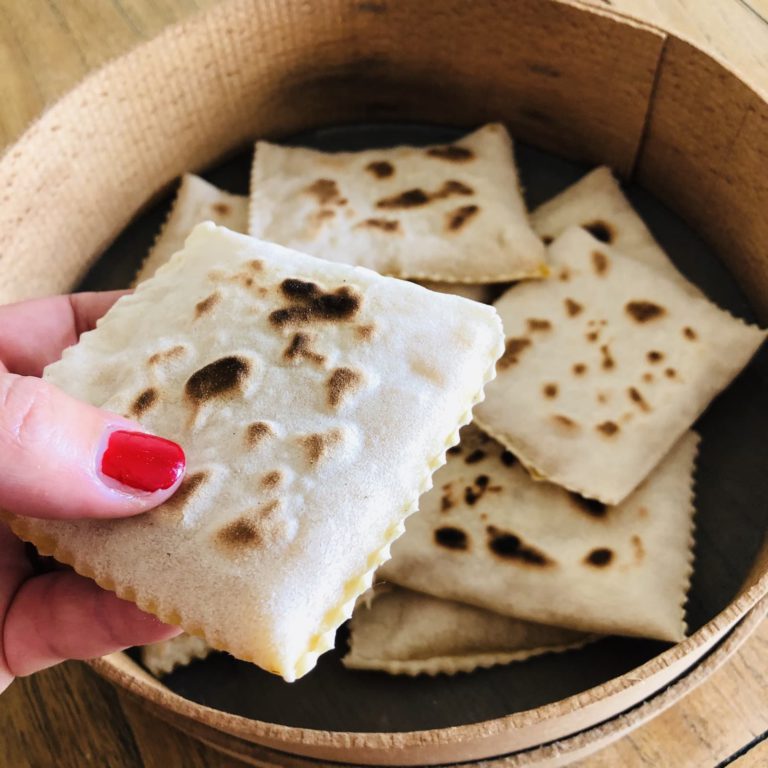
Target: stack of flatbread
566,512
315,400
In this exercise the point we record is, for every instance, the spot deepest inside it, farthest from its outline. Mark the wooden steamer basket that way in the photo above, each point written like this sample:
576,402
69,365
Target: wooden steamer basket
589,85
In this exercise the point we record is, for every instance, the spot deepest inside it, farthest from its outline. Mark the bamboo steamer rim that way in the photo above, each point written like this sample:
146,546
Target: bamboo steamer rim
551,755
216,42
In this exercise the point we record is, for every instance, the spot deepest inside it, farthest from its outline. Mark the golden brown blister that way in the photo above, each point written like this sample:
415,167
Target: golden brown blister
408,633
450,213
300,473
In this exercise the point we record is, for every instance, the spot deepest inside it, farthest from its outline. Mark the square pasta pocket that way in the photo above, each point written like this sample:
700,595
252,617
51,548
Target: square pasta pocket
452,213
607,364
489,535
196,201
313,401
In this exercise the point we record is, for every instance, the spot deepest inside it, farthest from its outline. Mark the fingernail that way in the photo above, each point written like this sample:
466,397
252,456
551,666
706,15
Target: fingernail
142,461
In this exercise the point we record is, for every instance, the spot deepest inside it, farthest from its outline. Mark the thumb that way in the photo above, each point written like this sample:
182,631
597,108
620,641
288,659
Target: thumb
60,458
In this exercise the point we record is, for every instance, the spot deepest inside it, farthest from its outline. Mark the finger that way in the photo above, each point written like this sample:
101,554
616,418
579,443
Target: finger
62,616
67,459
34,333
15,568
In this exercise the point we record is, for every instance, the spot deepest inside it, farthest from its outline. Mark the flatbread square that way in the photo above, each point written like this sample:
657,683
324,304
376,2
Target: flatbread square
162,658
407,633
489,535
472,291
597,204
196,201
313,400
606,365
451,213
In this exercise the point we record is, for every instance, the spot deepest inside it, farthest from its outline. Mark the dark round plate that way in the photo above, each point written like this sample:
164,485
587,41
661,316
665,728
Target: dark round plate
731,488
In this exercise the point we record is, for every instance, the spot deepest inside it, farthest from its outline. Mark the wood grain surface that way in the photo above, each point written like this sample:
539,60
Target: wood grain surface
67,717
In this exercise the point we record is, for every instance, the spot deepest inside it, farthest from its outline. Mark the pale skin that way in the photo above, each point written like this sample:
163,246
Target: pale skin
49,454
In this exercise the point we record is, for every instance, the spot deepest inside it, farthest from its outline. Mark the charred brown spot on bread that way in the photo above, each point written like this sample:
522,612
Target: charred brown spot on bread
473,493
381,169
324,190
453,187
477,455
550,391
509,546
579,369
294,288
221,208
643,311
452,153
547,239
602,397
648,377
512,351
637,546
592,336
411,198
190,485
654,356
310,304
324,214
250,530
446,500
244,279
457,218
670,373
454,450
255,265
451,537
564,422
318,445
239,533
608,361
144,402
591,507
537,324
385,225
271,479
608,428
600,262
508,459
416,197
256,432
167,355
600,230
300,348
342,382
637,398
565,275
689,333
207,304
365,332
217,379
599,557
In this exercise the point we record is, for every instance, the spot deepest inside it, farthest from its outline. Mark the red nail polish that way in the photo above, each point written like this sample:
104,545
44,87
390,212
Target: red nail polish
142,461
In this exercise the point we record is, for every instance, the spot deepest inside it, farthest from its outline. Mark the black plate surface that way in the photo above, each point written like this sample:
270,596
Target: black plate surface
731,489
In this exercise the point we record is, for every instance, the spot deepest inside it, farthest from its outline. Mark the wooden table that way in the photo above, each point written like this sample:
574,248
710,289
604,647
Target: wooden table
67,717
